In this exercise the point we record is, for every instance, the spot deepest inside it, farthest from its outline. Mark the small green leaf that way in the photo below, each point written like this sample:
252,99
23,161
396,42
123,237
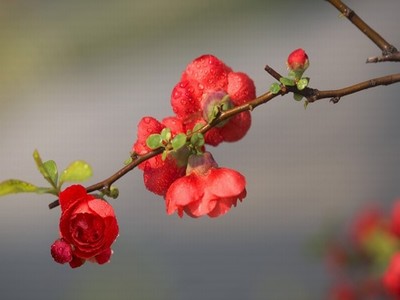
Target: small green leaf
302,83
164,155
197,127
287,81
77,171
51,169
197,140
154,141
48,169
14,186
297,97
128,160
166,134
306,104
179,141
275,88
295,74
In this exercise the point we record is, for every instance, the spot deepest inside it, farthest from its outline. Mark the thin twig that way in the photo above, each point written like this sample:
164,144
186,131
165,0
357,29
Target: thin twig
388,50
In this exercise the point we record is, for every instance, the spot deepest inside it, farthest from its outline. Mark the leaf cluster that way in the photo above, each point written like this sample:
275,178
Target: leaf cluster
77,171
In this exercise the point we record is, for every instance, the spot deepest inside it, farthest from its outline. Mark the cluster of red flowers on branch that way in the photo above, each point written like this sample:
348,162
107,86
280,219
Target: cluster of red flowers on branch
365,262
187,176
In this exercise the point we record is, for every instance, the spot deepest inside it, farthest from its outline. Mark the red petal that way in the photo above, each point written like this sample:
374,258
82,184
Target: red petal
241,88
147,125
183,191
76,262
185,99
237,127
174,124
222,207
225,183
104,257
159,179
208,71
214,137
70,195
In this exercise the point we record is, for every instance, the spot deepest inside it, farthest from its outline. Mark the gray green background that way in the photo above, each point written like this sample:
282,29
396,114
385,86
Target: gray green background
77,76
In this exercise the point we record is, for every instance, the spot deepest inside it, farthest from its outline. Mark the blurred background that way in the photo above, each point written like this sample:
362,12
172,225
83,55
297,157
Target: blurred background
77,76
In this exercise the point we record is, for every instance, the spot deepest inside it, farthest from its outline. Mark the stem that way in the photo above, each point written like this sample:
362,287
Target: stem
389,52
312,95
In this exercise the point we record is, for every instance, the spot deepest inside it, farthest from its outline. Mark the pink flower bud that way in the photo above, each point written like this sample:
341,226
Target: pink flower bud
61,251
297,60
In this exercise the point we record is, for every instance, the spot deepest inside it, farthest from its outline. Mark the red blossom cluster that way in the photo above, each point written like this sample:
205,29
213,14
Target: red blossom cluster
186,175
365,262
189,179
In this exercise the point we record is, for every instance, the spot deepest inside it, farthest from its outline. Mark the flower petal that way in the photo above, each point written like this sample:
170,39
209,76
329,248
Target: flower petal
223,182
237,127
222,206
183,191
70,195
241,88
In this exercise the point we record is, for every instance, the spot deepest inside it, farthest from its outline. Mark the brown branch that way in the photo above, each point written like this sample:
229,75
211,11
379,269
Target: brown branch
389,52
106,183
311,94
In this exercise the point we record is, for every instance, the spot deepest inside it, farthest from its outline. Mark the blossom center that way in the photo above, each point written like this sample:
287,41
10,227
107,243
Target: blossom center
87,228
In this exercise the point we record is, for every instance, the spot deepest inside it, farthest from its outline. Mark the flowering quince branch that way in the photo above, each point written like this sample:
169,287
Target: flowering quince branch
211,105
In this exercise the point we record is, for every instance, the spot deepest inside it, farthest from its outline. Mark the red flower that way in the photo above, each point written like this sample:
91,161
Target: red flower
342,291
298,60
158,174
88,227
204,84
365,223
395,219
391,278
206,189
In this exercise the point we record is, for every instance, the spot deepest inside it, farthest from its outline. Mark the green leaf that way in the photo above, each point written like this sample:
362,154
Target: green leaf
164,155
297,97
275,88
295,75
48,169
14,186
302,83
197,127
166,134
154,141
128,160
179,141
197,140
287,81
51,169
306,104
77,171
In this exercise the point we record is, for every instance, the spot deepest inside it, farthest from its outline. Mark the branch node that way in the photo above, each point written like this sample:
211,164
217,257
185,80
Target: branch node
335,100
348,12
372,82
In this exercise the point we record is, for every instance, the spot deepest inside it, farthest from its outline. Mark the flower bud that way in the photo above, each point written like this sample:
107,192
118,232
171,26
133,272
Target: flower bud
61,251
297,60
